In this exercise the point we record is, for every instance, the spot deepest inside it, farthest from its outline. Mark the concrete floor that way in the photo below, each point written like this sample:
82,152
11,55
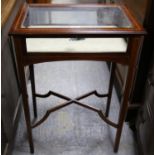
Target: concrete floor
73,130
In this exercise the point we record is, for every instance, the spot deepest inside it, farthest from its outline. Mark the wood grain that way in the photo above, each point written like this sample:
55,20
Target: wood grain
7,7
138,7
39,1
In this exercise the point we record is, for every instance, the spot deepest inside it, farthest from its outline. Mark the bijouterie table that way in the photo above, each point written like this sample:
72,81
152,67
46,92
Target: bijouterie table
76,32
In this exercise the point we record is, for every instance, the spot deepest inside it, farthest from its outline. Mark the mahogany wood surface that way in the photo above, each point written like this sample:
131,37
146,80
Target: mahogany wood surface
7,7
138,7
58,32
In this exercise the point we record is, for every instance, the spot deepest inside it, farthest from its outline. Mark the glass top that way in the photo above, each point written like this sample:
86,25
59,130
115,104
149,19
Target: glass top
94,17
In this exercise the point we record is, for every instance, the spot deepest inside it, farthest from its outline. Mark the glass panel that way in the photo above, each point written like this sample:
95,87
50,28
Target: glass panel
76,45
76,17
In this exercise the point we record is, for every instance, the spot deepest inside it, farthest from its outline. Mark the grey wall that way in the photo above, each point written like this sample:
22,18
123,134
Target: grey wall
10,92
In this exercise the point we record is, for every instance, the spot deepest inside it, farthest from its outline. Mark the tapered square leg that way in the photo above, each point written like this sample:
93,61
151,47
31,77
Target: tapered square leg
26,109
111,83
32,79
135,45
19,43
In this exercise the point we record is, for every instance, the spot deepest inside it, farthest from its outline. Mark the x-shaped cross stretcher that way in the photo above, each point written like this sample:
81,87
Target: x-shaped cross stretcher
76,101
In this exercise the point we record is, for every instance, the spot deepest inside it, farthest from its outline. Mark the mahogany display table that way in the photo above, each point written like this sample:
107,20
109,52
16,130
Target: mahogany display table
76,32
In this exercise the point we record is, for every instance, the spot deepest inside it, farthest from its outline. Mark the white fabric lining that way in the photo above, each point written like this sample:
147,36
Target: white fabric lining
67,45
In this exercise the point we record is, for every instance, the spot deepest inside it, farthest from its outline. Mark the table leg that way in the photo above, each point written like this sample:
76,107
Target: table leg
19,44
32,79
135,47
123,111
26,107
111,82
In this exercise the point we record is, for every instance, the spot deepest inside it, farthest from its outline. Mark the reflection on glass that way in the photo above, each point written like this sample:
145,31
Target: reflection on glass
76,17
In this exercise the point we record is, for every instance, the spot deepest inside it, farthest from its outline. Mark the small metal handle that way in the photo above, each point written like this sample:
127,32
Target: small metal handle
76,39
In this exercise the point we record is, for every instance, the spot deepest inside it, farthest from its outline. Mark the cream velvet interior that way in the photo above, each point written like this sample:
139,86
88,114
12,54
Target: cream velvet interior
68,45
